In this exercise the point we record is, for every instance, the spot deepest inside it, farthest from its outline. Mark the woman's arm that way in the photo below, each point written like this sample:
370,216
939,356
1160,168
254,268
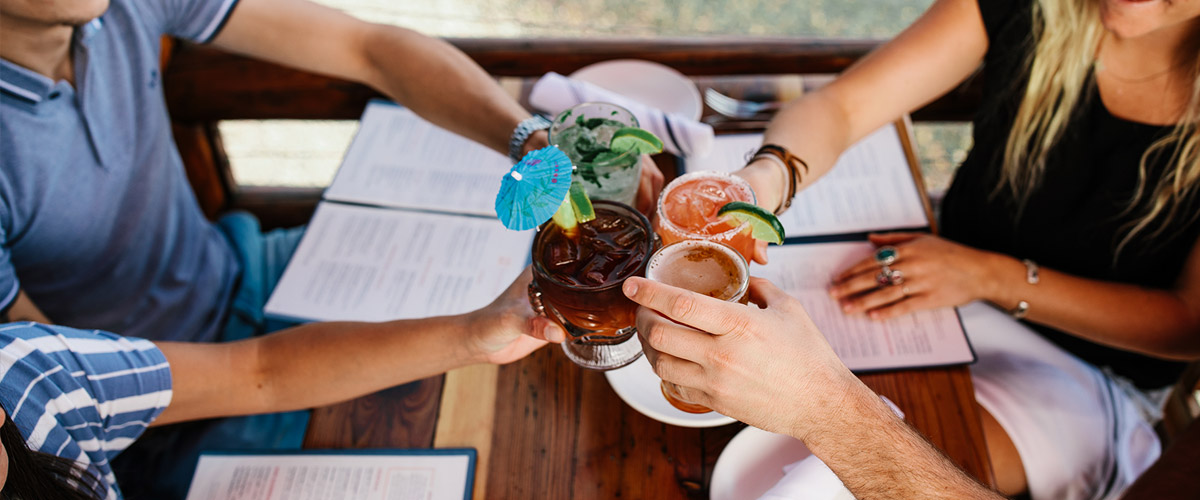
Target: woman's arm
324,363
1162,323
928,59
939,273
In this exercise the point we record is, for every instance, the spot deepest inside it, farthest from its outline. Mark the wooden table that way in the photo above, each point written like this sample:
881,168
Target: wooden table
546,428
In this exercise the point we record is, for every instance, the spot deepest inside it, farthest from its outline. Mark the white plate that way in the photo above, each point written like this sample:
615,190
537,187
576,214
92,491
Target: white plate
752,463
637,385
650,83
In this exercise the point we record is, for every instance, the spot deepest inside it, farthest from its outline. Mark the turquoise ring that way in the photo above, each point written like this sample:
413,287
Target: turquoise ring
886,255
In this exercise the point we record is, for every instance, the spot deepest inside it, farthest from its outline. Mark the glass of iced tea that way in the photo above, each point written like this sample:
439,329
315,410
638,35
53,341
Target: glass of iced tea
584,133
687,210
577,283
705,267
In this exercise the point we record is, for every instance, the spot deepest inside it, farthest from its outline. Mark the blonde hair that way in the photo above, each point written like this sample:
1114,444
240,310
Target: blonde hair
1067,35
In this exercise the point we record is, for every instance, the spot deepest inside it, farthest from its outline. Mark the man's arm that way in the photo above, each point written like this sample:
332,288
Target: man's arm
878,455
769,366
324,363
23,309
428,75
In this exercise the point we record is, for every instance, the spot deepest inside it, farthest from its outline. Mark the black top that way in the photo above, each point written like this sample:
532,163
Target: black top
1072,221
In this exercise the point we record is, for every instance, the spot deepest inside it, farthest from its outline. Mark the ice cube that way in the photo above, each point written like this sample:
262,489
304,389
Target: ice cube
629,237
608,224
596,270
711,190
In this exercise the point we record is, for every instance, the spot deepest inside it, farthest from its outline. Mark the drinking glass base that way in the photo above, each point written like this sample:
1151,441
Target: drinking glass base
603,356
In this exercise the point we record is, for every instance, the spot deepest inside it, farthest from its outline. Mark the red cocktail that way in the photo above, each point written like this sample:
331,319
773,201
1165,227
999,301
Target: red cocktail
687,210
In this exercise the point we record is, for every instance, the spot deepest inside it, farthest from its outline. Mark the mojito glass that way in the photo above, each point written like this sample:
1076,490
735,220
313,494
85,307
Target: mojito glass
584,133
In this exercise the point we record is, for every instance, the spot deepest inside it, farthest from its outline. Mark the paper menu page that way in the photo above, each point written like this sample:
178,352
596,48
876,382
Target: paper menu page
332,477
925,338
366,264
869,188
398,159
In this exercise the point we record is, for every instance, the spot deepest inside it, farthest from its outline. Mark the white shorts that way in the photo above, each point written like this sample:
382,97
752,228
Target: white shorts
1081,433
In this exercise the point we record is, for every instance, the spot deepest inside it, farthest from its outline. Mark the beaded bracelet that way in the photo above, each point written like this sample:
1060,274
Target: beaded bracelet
793,164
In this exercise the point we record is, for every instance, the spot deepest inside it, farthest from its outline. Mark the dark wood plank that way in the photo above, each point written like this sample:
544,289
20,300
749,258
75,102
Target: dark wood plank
400,417
204,84
277,206
537,423
621,453
205,167
1176,474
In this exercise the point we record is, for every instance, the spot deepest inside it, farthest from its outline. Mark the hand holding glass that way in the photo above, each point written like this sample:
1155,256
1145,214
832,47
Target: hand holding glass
705,267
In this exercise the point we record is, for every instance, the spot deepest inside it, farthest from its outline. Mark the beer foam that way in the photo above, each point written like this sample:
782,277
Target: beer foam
704,267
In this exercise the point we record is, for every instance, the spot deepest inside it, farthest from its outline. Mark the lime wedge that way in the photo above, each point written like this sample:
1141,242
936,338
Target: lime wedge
637,140
575,208
580,202
565,217
763,224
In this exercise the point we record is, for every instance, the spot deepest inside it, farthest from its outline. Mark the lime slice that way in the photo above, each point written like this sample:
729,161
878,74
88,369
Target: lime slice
635,139
580,202
763,224
575,208
565,217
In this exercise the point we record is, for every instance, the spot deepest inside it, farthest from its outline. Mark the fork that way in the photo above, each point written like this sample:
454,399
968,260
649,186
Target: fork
738,108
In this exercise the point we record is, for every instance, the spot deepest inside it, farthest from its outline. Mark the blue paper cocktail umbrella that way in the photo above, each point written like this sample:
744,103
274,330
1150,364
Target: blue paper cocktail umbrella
532,191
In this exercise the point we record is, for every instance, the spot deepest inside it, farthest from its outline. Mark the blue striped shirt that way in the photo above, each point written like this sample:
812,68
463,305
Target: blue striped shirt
82,395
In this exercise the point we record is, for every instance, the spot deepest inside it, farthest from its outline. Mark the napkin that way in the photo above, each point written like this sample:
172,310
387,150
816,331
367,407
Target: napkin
681,136
808,479
811,479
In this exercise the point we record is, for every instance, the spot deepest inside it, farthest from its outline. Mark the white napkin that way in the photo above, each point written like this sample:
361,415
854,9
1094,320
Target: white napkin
808,479
554,93
811,479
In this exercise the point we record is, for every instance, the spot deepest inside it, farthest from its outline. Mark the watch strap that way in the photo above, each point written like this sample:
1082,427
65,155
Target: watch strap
521,134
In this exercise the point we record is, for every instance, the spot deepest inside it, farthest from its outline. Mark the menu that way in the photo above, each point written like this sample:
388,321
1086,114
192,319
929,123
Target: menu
406,229
871,188
443,474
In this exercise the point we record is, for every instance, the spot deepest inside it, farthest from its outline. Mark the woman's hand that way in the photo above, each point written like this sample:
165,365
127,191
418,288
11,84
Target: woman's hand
767,181
936,273
768,366
507,329
649,186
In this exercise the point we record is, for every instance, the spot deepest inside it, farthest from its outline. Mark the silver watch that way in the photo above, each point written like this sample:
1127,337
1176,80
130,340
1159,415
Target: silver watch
521,134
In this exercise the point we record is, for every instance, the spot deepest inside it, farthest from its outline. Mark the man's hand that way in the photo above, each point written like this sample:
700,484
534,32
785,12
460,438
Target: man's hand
769,367
507,329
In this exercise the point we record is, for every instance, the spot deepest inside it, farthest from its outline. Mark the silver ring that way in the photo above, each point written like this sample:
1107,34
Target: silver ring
904,290
886,255
889,277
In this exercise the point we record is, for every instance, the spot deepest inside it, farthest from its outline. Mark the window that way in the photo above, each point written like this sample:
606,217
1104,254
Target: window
307,153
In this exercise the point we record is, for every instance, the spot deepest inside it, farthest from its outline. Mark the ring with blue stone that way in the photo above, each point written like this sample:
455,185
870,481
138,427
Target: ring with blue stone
886,255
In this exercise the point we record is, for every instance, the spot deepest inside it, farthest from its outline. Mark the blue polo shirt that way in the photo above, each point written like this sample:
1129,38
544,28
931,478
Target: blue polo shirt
98,224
